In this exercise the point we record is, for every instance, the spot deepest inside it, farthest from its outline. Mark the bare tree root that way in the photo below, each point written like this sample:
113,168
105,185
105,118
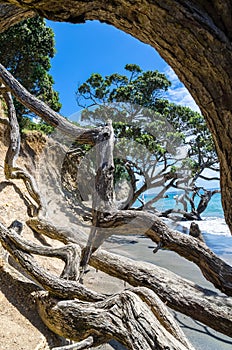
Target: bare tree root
61,288
180,294
13,172
124,317
214,269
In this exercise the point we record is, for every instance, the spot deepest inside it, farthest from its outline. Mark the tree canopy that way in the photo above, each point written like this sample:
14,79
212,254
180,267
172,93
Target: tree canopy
26,50
170,145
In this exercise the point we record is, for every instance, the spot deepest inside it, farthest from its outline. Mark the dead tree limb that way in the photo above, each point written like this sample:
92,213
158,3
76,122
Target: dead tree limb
214,269
86,136
124,316
206,306
178,293
56,286
103,196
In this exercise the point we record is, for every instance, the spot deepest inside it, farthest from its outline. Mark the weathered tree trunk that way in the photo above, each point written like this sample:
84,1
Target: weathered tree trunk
138,321
103,195
122,317
11,14
178,30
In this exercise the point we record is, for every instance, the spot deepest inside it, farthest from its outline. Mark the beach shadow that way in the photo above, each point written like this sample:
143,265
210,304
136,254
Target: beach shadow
200,328
121,240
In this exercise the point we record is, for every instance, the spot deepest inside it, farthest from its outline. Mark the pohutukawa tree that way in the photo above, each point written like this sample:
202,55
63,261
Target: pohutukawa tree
94,318
104,317
159,145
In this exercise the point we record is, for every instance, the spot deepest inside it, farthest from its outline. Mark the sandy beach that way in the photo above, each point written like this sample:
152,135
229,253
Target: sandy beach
140,248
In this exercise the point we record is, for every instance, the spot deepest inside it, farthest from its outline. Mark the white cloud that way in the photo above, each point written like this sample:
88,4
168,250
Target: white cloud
178,92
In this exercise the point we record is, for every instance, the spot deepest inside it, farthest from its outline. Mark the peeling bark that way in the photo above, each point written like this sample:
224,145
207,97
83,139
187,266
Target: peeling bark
123,317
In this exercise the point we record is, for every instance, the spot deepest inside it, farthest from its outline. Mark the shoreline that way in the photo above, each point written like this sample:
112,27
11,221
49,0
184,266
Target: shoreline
140,248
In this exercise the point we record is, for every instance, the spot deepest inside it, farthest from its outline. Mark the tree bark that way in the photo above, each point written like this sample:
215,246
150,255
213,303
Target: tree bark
11,14
177,29
178,293
172,289
139,322
103,195
10,169
85,136
212,267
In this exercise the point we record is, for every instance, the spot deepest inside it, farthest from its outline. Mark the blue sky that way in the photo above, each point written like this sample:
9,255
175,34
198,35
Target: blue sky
93,47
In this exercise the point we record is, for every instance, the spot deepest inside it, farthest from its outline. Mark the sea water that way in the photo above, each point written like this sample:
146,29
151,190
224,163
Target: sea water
213,226
214,208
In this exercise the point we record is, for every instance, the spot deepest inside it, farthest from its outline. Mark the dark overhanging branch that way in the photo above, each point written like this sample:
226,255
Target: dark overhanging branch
209,178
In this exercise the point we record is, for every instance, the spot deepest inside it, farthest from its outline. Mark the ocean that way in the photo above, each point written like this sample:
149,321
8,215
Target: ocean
213,226
214,208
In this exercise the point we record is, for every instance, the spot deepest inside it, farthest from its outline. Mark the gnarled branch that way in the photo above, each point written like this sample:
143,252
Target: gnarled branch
172,289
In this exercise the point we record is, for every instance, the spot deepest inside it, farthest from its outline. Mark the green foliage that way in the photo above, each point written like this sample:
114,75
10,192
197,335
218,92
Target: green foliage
120,173
25,50
154,128
139,88
26,124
